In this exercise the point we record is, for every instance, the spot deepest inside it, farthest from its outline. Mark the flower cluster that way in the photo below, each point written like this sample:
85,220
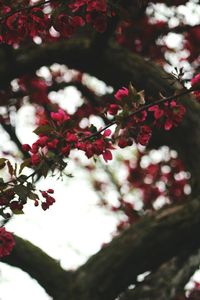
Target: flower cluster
191,39
95,13
49,200
196,85
142,189
15,192
169,114
100,146
6,242
141,36
133,122
57,138
59,133
60,20
23,24
35,87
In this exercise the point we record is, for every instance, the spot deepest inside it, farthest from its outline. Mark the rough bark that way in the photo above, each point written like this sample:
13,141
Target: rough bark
109,272
143,247
40,266
167,282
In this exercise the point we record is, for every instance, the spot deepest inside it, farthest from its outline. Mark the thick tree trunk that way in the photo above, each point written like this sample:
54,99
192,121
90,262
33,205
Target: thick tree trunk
167,282
40,266
143,247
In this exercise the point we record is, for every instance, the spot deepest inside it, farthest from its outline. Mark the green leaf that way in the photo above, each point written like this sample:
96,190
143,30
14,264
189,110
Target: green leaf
70,175
131,90
25,163
15,169
2,183
32,196
17,212
10,168
117,130
22,178
42,129
141,97
44,169
2,162
93,129
21,191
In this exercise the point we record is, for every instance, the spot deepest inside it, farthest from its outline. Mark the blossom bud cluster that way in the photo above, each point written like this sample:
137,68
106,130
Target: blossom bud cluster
58,138
61,20
6,242
195,82
134,121
143,189
49,200
58,134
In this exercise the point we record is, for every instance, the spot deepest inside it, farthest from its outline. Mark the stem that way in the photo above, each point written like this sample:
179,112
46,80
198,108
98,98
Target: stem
142,108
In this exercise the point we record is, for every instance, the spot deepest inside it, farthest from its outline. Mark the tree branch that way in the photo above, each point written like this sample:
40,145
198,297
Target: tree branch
11,132
167,282
116,266
78,54
139,249
40,266
117,67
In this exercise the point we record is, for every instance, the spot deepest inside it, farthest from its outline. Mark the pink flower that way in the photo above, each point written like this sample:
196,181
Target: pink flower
76,5
35,148
42,141
107,155
35,159
6,242
196,81
124,142
45,206
36,203
113,109
15,205
121,93
60,116
100,23
49,200
196,84
107,132
197,95
99,5
71,137
53,144
26,147
77,21
63,26
144,135
65,150
158,112
168,124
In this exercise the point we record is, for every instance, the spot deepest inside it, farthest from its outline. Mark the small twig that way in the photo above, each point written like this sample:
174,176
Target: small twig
142,108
